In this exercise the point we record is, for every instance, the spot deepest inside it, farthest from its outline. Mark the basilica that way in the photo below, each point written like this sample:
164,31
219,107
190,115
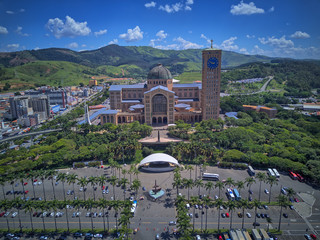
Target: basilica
162,101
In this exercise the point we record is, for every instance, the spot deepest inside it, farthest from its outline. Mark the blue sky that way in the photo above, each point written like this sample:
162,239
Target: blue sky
285,28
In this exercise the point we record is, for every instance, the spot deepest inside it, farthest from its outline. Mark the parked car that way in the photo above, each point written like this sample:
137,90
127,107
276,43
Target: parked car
258,215
248,215
284,190
306,236
266,207
313,236
14,214
172,223
256,224
239,214
291,207
285,215
196,215
266,191
296,199
227,215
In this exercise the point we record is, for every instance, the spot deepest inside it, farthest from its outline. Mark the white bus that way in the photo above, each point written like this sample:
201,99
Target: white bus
270,172
276,173
251,171
210,176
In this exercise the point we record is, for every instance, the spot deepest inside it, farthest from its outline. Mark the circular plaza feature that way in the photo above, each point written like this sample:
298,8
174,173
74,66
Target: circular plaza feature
158,162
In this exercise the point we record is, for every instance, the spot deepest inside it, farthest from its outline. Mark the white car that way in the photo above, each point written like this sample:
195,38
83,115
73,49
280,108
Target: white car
266,191
198,237
39,183
248,215
216,197
81,189
14,214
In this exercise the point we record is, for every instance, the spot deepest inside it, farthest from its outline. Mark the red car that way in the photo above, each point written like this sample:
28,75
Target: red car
313,236
25,183
1,214
35,180
26,192
296,199
220,237
227,215
103,187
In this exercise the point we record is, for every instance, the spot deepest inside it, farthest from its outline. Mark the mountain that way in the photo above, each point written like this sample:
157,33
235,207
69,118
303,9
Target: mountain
114,55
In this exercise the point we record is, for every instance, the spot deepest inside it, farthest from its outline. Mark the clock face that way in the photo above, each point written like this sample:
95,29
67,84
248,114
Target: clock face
212,63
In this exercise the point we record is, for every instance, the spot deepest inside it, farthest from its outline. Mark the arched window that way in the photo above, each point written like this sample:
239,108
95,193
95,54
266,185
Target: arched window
159,104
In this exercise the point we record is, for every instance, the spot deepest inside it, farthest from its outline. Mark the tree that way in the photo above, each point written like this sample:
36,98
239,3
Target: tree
194,200
83,182
62,177
240,185
290,193
219,203
243,204
206,201
283,202
2,183
209,186
123,183
102,180
28,207
220,186
49,175
93,180
231,205
198,183
249,181
229,182
42,175
188,183
136,184
271,180
113,182
72,178
261,177
255,203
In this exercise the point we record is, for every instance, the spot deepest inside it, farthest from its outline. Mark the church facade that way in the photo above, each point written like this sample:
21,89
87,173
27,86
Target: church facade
161,101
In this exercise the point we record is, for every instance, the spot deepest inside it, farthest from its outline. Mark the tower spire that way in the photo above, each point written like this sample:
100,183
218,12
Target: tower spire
211,43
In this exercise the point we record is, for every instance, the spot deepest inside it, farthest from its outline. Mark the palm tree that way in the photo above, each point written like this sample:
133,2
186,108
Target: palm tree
62,177
261,177
21,176
240,185
72,178
136,184
231,205
17,205
93,180
113,182
102,204
177,182
53,206
256,203
209,186
198,183
32,175
136,172
116,206
188,183
283,202
271,180
89,205
249,181
2,183
290,193
190,168
28,207
42,175
220,186
206,201
124,172
219,203
229,182
123,183
102,180
194,200
49,175
83,183
243,203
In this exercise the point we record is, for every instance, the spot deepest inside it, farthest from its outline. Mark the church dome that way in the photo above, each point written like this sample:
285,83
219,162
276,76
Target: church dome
159,72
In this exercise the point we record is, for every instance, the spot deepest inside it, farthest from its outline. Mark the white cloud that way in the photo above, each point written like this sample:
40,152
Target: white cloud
19,31
73,45
114,41
9,12
189,2
229,44
300,35
271,9
36,48
22,10
204,37
3,30
277,42
244,51
150,4
69,28
83,45
245,9
101,32
187,8
161,36
257,50
132,35
173,8
13,46
181,44
250,36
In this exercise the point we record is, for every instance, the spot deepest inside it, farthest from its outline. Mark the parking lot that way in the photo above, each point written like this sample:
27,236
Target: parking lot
153,218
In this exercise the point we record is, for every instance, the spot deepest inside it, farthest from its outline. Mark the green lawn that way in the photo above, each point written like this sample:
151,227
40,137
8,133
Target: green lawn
189,77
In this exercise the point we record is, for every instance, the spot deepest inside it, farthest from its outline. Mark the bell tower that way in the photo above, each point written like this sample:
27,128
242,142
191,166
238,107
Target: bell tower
211,78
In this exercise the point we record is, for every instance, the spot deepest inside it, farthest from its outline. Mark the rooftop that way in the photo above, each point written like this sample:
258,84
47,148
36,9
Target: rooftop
159,72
